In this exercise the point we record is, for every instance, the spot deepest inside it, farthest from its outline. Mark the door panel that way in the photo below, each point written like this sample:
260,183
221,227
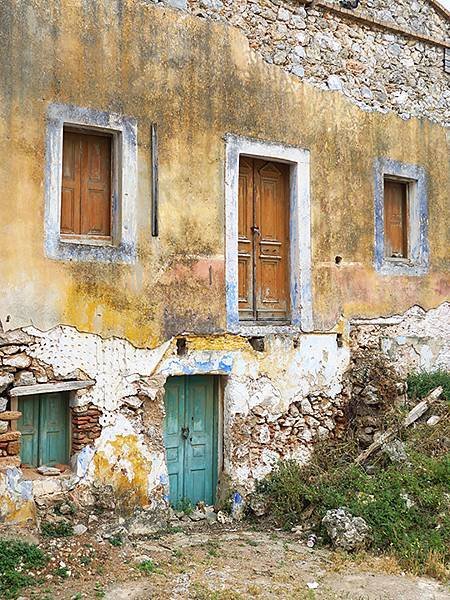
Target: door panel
245,239
53,425
28,425
200,446
263,253
271,188
173,436
190,438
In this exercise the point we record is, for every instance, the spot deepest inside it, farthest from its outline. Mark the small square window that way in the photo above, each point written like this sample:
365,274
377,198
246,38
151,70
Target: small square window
86,185
395,218
401,218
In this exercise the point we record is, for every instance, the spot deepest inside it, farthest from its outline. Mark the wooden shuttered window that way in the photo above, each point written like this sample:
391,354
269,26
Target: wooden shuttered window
395,218
86,185
263,240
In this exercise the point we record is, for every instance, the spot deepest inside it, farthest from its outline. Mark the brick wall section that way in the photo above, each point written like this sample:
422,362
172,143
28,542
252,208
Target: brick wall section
85,426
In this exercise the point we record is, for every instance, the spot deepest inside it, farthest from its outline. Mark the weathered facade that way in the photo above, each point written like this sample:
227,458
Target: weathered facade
346,99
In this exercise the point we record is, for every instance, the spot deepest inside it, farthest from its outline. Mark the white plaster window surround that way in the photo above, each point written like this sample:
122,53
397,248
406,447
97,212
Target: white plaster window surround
299,231
123,129
417,260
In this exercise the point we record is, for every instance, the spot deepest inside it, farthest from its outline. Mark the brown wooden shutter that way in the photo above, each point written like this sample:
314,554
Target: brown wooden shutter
272,252
395,219
86,185
70,194
245,239
263,255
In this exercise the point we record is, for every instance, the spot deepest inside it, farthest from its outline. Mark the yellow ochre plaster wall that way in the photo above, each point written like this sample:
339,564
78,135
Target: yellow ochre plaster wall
198,81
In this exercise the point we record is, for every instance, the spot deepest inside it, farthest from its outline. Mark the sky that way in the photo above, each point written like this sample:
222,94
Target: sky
445,3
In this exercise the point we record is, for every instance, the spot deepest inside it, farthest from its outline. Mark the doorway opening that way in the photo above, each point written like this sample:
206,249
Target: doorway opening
191,428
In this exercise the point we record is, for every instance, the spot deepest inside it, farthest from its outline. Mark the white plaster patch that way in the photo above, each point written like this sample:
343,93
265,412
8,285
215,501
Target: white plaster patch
110,362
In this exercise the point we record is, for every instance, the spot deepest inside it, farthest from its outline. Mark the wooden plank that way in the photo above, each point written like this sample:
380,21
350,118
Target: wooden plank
410,418
44,388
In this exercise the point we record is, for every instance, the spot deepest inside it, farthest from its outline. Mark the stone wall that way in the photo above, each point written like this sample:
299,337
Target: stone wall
374,67
277,400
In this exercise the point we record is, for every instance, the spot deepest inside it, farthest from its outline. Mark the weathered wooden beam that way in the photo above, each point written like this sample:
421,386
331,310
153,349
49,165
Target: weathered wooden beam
47,388
410,418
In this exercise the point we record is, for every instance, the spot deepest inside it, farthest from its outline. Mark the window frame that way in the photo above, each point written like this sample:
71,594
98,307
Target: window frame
417,260
300,295
123,131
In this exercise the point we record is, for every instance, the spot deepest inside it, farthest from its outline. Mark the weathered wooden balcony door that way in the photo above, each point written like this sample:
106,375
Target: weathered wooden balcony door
263,238
44,425
190,438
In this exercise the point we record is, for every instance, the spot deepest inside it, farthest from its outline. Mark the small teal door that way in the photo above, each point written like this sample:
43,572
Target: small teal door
190,438
44,425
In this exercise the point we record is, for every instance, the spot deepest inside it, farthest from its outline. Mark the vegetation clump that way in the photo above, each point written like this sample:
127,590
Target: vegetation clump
17,558
422,383
406,504
55,530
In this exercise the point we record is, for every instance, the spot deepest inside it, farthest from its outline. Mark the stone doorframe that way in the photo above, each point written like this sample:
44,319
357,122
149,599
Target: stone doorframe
299,229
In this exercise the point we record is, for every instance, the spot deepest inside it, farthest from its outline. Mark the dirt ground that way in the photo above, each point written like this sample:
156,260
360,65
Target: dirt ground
217,564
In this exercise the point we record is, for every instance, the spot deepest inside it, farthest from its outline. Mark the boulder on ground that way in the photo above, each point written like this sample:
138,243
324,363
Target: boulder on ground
345,530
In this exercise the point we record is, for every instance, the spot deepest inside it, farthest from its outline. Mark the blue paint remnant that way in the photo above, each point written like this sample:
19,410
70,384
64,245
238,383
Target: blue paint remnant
84,459
214,362
237,506
18,486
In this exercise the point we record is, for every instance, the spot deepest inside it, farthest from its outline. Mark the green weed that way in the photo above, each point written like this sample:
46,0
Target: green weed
116,540
184,505
422,383
406,506
16,558
147,567
53,530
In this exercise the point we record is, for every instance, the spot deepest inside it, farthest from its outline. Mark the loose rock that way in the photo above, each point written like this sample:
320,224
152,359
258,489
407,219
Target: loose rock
346,532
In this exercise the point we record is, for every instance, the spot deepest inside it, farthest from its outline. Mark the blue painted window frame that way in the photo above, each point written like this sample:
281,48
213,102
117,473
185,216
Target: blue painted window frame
124,131
417,262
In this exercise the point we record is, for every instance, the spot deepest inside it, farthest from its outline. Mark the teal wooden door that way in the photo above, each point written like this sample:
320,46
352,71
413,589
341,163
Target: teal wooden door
45,429
190,438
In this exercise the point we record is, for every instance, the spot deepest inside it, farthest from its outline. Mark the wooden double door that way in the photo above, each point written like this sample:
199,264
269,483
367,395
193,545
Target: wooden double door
263,240
44,425
190,438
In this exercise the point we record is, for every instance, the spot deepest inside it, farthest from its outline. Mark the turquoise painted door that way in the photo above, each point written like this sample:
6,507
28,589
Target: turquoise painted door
190,438
45,429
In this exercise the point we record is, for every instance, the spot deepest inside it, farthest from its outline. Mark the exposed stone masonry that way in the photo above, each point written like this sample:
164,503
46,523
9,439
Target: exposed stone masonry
376,69
289,435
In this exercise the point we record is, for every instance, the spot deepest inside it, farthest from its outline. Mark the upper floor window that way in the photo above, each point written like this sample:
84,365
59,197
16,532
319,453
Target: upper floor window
395,218
86,185
401,218
90,185
263,240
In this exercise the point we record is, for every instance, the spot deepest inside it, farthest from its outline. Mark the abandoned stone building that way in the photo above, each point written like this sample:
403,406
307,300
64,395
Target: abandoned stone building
209,209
